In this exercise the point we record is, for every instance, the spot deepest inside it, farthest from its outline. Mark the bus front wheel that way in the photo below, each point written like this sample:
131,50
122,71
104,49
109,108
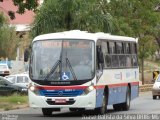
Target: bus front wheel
77,109
47,111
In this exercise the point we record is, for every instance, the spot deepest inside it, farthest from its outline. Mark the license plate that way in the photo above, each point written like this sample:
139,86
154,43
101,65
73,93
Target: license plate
60,100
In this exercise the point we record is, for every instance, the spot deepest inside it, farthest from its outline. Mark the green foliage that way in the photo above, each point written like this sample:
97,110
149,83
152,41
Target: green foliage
137,18
25,4
60,15
3,20
134,18
8,39
147,46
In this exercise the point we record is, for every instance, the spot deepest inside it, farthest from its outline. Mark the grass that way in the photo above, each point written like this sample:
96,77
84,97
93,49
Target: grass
13,102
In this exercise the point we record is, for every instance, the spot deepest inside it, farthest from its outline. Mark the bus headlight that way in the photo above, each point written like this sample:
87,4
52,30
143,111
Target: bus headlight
88,90
34,89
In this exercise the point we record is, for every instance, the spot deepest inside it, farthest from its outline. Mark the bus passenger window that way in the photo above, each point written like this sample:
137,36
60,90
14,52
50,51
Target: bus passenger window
105,52
128,61
134,60
108,61
122,61
127,48
100,58
119,48
115,63
133,48
112,48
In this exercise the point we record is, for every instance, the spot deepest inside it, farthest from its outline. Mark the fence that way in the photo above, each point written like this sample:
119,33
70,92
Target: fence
146,87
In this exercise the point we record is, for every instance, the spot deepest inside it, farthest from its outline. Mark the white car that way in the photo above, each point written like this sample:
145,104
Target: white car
4,70
156,88
19,79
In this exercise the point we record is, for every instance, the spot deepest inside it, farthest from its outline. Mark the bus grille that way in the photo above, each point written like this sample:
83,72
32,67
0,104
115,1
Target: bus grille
61,93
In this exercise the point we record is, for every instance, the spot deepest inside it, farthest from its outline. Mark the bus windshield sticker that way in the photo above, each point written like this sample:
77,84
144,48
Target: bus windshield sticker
65,75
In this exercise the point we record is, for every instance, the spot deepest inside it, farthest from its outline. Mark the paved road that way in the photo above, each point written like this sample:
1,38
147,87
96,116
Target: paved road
143,106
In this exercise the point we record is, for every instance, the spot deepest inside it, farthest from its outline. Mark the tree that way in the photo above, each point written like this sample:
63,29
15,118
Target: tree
3,20
8,39
26,4
60,15
136,18
23,5
147,48
157,37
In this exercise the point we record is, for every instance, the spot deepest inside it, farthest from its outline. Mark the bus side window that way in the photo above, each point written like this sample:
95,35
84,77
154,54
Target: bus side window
119,48
134,60
115,63
100,58
108,61
128,61
127,48
133,48
112,48
107,58
122,60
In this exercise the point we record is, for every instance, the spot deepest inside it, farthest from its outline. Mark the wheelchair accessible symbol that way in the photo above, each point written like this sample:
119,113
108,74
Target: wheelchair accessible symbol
65,76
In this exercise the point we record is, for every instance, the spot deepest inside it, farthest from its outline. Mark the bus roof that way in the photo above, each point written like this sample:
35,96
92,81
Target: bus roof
77,34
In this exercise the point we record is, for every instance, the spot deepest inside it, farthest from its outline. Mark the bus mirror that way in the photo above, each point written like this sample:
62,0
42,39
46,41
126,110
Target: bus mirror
26,55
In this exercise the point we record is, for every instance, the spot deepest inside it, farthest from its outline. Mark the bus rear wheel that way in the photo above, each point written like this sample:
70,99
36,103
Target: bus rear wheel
47,111
126,105
154,97
117,107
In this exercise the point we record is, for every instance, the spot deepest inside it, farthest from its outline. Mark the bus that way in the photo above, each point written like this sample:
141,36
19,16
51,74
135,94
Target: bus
62,79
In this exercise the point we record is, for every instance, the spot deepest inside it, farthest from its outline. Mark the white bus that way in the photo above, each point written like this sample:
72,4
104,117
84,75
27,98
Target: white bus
80,70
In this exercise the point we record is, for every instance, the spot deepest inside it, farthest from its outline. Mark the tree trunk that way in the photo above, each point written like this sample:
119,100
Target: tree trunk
142,61
68,21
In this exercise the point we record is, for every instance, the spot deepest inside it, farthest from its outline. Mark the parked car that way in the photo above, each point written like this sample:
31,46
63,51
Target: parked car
8,62
19,79
4,70
8,88
156,88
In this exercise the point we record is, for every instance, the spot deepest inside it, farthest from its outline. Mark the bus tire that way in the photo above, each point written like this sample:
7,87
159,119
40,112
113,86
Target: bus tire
102,110
154,97
76,109
47,111
72,109
126,105
117,107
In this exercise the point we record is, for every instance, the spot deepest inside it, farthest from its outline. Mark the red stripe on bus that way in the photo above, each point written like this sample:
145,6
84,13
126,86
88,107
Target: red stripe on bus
99,86
83,87
122,84
117,85
134,83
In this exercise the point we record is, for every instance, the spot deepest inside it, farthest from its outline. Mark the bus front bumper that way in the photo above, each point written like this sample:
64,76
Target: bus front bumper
84,101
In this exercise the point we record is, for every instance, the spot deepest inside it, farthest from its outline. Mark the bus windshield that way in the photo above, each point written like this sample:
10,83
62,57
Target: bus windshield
62,60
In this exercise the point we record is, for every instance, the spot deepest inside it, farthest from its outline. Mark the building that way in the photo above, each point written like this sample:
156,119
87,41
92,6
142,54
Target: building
20,22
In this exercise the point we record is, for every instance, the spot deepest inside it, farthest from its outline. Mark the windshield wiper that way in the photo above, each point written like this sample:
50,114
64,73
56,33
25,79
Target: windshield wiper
71,69
53,69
